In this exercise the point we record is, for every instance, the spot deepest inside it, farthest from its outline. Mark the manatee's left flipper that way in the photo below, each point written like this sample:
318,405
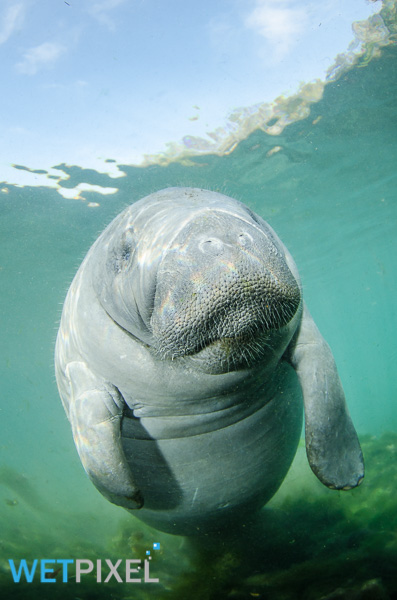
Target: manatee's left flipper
95,411
332,446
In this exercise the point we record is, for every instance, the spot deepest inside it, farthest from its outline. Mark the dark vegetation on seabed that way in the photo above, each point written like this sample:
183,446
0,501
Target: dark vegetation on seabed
322,546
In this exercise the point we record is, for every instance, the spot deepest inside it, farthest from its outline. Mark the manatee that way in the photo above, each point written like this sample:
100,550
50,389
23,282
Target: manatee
185,359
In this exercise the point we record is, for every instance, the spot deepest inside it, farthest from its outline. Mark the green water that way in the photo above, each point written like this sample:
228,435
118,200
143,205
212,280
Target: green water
330,193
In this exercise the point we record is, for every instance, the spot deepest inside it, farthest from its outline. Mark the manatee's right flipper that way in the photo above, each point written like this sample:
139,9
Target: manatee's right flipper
332,446
95,412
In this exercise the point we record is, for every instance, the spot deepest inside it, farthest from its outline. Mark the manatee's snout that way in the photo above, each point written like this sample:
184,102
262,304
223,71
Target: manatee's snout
222,280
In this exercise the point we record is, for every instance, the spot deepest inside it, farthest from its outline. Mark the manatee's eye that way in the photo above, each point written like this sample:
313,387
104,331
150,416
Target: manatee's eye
125,252
121,253
211,246
244,239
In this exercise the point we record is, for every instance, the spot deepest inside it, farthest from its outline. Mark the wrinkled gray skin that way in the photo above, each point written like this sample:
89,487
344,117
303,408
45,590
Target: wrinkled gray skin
182,357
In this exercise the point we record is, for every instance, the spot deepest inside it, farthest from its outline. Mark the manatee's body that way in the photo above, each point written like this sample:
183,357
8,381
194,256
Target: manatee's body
182,356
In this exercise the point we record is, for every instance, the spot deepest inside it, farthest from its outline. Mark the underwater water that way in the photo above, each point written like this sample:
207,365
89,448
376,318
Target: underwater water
327,185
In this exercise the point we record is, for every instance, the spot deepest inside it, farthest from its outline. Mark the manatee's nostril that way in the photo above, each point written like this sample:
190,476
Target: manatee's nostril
244,239
212,246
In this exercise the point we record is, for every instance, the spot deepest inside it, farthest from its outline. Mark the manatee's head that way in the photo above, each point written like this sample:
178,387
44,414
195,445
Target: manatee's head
196,275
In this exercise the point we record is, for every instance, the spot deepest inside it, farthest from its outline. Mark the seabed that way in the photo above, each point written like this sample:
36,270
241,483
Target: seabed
309,543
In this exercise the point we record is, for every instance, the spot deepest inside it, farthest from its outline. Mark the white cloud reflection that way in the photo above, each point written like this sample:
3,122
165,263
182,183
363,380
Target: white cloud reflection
280,23
100,10
11,20
41,56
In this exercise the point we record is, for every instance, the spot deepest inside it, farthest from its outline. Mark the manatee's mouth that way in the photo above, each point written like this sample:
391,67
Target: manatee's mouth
230,322
234,353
